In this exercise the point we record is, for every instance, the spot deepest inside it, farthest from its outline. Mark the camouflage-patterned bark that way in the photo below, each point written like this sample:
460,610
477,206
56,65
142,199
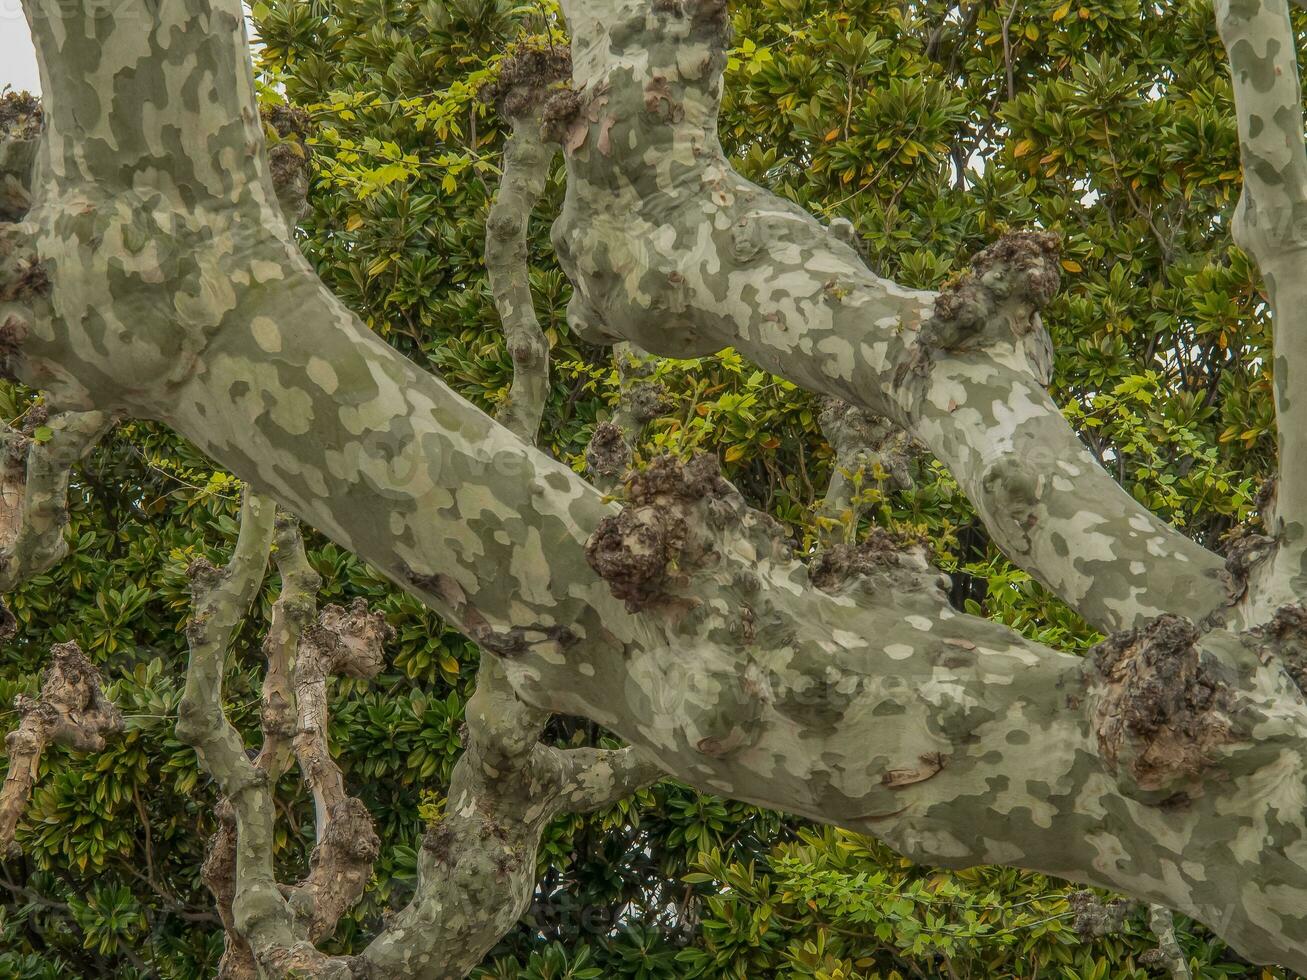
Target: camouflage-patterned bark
1168,765
670,248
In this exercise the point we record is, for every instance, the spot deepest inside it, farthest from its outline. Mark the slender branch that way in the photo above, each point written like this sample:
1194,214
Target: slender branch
1270,222
343,643
71,711
612,447
34,474
222,597
1168,954
863,443
292,613
527,158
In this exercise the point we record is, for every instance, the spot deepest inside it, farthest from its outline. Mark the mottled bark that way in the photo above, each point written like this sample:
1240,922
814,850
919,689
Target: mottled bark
71,710
671,249
292,613
527,158
35,468
1168,954
258,914
477,865
1168,765
343,643
1270,222
870,453
477,871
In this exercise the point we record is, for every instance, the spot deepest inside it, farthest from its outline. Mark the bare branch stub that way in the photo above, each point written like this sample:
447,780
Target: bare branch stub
528,77
71,710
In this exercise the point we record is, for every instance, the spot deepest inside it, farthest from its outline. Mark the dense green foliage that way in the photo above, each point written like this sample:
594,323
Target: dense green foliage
931,127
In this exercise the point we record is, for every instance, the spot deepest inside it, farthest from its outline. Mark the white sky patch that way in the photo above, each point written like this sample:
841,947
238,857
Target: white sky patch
17,56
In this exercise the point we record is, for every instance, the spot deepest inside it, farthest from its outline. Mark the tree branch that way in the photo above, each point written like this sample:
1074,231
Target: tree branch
612,446
341,644
862,443
597,778
71,711
259,914
34,475
1270,222
868,703
292,613
688,265
527,158
1168,953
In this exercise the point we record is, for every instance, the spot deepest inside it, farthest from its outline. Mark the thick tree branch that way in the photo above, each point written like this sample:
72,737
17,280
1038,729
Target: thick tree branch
1270,222
670,248
868,703
71,711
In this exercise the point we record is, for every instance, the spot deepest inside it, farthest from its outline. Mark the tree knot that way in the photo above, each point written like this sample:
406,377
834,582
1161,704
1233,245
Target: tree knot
287,129
644,551
203,576
20,116
1246,552
999,299
528,77
350,834
1095,918
1159,710
351,642
607,454
893,557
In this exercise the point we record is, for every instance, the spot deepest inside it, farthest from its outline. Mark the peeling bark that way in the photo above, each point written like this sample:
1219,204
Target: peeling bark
71,710
343,644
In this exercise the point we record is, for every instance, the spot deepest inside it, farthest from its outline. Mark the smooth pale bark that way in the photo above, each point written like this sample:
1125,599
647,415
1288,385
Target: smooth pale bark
1168,766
